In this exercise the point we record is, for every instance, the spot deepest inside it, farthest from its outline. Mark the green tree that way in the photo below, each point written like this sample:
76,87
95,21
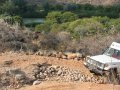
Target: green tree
14,7
9,8
68,17
2,1
54,16
22,6
59,17
85,27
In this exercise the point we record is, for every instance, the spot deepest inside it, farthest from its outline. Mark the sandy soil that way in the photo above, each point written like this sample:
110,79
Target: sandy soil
23,61
71,86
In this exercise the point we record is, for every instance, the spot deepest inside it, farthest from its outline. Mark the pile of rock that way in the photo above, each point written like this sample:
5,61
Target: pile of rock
63,55
49,72
44,72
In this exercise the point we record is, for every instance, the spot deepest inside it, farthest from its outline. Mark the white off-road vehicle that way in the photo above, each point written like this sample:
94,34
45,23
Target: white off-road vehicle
110,59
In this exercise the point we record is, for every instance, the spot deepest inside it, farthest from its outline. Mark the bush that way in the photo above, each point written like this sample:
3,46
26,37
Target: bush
114,26
54,16
82,27
68,17
49,42
96,45
18,19
59,27
11,39
59,17
12,20
85,27
43,28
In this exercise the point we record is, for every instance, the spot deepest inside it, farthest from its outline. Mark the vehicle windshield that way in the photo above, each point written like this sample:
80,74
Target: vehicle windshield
113,53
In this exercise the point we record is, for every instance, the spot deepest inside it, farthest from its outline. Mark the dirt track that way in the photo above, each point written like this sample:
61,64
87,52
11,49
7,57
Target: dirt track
23,61
71,86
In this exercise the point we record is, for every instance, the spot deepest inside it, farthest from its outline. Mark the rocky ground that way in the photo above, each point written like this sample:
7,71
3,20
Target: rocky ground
34,72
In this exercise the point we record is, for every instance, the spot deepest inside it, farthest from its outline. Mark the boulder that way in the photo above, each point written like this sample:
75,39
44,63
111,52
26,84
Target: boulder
79,55
59,55
71,56
20,77
14,71
17,76
54,53
31,71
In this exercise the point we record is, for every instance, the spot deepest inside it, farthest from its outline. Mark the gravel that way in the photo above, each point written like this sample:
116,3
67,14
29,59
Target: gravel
47,72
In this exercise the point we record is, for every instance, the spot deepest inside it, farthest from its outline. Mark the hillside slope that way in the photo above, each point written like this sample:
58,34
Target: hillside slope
93,2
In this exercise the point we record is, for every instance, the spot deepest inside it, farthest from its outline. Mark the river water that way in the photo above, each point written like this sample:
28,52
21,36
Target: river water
33,20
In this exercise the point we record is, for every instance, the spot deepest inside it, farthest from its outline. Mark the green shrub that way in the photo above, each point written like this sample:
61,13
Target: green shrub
43,28
59,27
54,16
59,17
18,19
13,19
68,17
85,27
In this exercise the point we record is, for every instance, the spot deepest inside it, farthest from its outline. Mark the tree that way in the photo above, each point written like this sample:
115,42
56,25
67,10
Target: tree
21,4
70,7
59,17
86,27
54,16
68,17
14,7
9,8
46,6
2,1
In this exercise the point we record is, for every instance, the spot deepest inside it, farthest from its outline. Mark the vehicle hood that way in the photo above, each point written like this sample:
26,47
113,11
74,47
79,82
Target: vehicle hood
104,59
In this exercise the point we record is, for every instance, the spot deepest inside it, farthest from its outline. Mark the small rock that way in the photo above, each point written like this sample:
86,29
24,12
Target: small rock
54,53
49,53
71,56
36,71
64,57
59,55
9,62
79,55
19,76
40,52
59,72
37,82
42,68
42,76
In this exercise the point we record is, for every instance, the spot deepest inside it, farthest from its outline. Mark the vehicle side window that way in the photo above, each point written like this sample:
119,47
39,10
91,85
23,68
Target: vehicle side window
116,54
